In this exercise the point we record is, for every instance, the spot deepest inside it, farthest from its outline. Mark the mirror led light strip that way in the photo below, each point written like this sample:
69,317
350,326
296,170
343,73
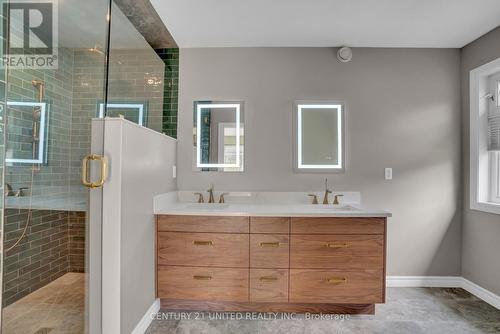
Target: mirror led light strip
300,108
139,107
41,141
201,106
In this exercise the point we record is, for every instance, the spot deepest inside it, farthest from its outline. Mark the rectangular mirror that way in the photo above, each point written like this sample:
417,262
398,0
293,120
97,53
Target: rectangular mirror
27,124
319,136
134,112
218,133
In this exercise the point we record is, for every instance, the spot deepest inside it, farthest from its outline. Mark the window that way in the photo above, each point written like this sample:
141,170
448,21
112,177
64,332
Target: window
494,138
485,138
497,84
227,145
495,177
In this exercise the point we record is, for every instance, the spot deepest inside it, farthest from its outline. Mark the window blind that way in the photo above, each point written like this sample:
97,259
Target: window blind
494,131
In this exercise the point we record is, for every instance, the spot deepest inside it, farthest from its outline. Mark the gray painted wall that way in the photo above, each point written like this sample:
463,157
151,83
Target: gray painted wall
403,111
481,230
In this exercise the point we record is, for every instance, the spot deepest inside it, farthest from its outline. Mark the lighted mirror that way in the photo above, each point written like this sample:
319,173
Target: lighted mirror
319,136
27,124
218,136
134,112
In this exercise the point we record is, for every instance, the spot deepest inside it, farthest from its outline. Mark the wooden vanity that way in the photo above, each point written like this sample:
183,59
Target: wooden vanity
271,264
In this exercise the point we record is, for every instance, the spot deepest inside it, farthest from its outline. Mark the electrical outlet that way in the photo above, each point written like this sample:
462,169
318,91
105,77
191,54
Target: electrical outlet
388,173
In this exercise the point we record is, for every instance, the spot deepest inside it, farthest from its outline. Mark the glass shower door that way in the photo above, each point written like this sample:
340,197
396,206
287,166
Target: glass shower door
53,78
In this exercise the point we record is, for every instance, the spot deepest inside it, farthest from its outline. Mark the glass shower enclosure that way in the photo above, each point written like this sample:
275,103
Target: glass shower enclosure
54,70
65,64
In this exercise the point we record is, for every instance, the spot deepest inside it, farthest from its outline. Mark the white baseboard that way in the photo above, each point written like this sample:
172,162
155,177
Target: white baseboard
424,281
481,293
444,282
147,318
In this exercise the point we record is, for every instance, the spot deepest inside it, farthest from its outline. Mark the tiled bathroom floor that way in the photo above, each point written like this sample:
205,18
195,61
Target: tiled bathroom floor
407,311
57,308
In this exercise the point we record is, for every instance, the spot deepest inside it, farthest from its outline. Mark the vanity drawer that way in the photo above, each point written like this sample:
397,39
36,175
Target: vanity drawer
334,286
221,224
203,249
338,225
269,250
269,285
337,251
269,225
194,283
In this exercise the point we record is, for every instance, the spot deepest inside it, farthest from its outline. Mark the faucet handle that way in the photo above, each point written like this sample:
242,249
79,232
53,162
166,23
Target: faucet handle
336,199
315,198
221,198
9,191
200,197
20,192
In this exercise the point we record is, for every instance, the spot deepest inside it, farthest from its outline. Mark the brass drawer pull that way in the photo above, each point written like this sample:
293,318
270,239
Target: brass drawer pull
202,278
337,245
268,278
270,244
203,243
336,280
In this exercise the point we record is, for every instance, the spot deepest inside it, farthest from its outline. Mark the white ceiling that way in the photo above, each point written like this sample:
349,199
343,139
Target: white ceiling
357,23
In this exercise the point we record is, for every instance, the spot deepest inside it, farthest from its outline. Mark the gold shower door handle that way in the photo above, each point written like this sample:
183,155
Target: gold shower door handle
85,174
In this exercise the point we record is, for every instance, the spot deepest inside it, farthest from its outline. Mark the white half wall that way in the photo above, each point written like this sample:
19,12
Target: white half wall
140,167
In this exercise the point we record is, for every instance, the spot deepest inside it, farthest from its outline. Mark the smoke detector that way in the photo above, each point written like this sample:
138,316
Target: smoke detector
344,54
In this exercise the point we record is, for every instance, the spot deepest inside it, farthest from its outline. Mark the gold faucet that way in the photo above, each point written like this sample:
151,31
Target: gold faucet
211,194
327,191
336,199
222,199
200,197
314,198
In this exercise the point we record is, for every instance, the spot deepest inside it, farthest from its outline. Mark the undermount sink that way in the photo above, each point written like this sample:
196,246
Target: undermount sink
332,207
208,206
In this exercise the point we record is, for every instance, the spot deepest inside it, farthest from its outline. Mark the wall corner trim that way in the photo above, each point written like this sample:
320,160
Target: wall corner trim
444,282
146,320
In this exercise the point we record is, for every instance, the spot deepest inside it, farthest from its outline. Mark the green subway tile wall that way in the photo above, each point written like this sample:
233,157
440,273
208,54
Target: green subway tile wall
40,257
171,92
53,177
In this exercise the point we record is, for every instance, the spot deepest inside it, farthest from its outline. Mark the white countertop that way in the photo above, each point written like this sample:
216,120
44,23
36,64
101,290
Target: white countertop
169,204
263,204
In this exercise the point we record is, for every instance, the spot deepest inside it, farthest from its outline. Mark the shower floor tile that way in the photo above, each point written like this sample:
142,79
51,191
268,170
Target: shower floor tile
56,308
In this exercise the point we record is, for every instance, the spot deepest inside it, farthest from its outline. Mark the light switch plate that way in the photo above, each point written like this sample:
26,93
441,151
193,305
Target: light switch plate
388,173
174,171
